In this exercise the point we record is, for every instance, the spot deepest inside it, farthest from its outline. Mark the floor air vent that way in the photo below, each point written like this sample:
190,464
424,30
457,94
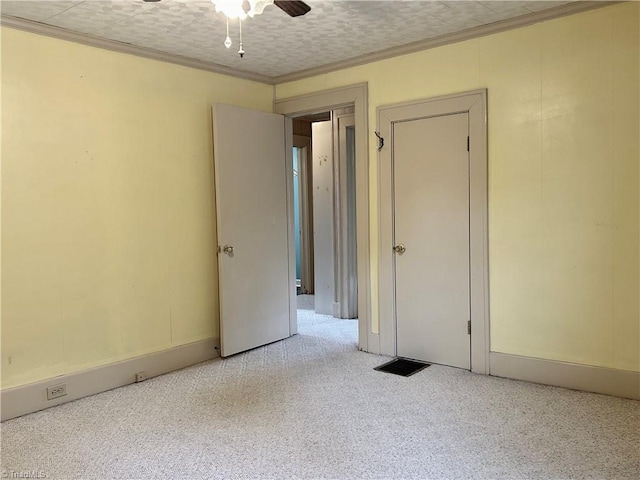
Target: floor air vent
402,366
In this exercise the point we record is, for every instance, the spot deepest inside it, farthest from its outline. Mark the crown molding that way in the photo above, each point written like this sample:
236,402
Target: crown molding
120,47
471,33
481,31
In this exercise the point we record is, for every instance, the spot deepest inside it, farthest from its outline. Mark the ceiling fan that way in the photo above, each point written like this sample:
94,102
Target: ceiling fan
241,9
293,8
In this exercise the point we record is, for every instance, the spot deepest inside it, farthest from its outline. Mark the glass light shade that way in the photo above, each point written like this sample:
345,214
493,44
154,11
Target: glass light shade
233,8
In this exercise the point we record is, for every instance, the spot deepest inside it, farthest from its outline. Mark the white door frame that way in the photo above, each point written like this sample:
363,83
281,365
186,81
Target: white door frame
357,96
475,104
306,215
345,269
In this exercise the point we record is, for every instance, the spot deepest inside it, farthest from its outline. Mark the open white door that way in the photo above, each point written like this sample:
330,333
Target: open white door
253,244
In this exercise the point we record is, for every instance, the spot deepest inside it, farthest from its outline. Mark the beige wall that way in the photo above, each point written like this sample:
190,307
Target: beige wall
563,175
107,199
108,229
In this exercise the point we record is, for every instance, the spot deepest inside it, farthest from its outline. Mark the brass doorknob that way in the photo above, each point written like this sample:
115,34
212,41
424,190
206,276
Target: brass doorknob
228,249
400,249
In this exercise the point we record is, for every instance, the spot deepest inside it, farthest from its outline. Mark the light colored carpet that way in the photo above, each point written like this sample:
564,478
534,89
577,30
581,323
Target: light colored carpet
306,302
313,407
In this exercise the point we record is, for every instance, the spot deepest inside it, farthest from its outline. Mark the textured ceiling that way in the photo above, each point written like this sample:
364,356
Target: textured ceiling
275,44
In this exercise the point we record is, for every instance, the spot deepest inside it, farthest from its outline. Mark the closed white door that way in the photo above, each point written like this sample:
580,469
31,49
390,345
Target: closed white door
251,204
431,238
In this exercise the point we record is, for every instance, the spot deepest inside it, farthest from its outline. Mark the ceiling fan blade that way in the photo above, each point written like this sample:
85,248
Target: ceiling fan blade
292,8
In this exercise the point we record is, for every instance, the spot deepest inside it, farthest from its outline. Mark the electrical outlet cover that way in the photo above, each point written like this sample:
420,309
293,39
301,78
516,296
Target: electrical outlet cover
56,391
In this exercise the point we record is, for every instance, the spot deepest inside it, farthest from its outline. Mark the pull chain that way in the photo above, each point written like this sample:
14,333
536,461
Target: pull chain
227,41
241,50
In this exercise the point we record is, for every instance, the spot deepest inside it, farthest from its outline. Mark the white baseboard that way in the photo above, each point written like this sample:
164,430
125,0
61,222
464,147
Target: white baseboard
619,383
32,397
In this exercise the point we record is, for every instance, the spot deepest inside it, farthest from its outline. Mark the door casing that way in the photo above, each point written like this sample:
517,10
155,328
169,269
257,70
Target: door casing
323,101
475,104
345,239
306,213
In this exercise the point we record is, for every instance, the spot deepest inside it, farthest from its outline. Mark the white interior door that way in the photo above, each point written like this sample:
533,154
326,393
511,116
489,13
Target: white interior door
253,240
431,212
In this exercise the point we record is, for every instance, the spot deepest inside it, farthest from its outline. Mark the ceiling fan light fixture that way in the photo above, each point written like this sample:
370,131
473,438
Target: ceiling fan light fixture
241,8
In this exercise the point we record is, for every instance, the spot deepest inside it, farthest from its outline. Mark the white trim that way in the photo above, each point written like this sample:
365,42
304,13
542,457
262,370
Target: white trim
288,154
306,215
345,307
481,31
32,397
356,95
115,46
475,104
619,383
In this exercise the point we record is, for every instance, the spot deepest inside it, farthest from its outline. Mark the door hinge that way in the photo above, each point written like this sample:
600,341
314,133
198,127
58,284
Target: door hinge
468,144
469,327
